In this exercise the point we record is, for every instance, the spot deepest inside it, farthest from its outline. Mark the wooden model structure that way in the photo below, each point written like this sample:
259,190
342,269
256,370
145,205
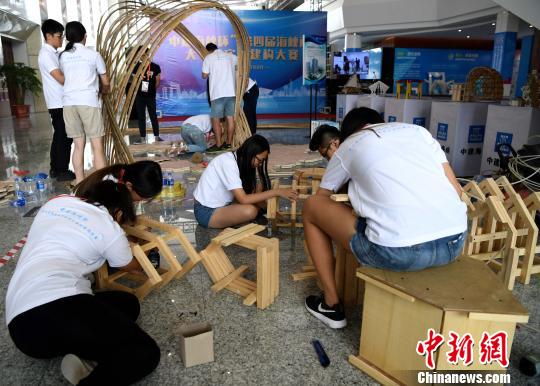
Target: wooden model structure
306,182
400,307
502,229
148,238
131,24
408,85
225,276
531,263
483,84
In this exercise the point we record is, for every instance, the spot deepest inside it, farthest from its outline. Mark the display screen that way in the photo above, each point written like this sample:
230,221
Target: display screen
367,64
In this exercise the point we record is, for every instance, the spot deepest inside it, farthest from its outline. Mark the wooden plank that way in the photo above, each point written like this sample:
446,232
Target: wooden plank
303,275
340,197
276,268
238,289
234,236
262,277
499,317
228,279
386,287
251,299
373,371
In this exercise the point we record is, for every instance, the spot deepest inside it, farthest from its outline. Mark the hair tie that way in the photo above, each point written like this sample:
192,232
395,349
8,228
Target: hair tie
121,176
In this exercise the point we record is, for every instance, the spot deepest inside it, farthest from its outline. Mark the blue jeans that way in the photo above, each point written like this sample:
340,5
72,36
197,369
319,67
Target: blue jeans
202,213
411,258
222,107
194,138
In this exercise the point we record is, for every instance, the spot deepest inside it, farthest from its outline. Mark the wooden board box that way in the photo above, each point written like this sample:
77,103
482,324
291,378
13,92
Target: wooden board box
400,307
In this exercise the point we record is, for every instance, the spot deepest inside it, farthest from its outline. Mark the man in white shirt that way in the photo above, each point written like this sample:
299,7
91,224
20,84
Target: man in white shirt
406,210
53,81
83,69
220,68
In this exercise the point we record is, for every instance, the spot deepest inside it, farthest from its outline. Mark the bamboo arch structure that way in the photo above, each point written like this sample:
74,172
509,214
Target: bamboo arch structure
116,35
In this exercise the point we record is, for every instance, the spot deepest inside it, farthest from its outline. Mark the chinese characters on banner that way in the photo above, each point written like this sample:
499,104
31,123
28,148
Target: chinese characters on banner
491,348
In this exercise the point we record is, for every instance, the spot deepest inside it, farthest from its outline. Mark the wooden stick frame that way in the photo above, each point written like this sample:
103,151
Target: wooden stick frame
151,235
493,235
306,182
225,276
154,23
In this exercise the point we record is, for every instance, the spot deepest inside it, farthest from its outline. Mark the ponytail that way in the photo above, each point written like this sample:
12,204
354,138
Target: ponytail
75,33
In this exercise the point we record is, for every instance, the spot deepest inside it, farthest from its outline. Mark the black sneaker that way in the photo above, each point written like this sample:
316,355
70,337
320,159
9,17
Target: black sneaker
213,149
333,317
68,175
261,219
158,139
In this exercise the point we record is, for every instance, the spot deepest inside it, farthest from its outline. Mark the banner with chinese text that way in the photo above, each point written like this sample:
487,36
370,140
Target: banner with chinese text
276,60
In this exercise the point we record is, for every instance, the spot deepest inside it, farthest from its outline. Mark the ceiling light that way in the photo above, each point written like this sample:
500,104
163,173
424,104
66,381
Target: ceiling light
468,36
530,26
459,30
492,23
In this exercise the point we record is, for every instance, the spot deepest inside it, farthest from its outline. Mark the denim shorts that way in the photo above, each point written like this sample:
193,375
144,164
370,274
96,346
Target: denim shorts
203,214
222,107
411,258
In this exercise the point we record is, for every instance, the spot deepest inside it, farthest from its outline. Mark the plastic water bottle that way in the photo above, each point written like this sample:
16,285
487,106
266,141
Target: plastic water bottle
170,185
41,186
29,189
165,185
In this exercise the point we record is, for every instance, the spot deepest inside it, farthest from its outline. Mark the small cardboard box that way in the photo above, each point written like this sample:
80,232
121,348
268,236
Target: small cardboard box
196,344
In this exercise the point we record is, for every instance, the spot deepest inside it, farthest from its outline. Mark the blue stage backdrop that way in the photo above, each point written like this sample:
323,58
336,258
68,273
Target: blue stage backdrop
417,63
276,60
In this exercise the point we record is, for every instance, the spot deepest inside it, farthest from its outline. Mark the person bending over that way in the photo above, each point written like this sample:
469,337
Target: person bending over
143,179
228,194
50,308
406,210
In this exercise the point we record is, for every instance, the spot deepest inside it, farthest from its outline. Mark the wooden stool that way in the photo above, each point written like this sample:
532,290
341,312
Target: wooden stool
265,290
400,307
151,235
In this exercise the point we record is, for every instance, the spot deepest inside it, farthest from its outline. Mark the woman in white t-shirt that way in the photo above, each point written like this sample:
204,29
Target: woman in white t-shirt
228,194
406,213
50,308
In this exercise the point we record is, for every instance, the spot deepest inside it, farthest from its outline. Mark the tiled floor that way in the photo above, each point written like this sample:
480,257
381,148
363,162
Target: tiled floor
251,346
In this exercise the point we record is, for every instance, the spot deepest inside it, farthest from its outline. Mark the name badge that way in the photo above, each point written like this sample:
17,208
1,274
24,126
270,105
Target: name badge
144,86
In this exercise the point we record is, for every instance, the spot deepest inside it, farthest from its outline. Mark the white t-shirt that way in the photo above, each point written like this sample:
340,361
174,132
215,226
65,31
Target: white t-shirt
53,91
202,122
222,175
251,83
397,183
81,68
69,238
221,67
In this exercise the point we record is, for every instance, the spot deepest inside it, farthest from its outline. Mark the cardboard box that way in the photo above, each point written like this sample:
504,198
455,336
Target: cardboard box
508,124
344,104
196,344
415,111
317,123
374,102
460,127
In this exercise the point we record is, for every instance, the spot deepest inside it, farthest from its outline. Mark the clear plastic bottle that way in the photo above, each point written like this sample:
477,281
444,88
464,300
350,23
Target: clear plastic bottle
165,185
170,185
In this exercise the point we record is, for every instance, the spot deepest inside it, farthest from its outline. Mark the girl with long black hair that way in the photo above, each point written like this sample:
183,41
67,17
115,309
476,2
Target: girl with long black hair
50,308
228,193
143,179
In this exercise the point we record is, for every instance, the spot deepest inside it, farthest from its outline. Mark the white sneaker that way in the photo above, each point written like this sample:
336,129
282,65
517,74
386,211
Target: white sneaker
74,368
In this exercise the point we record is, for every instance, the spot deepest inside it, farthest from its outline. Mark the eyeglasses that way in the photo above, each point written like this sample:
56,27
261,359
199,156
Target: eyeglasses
324,153
61,36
